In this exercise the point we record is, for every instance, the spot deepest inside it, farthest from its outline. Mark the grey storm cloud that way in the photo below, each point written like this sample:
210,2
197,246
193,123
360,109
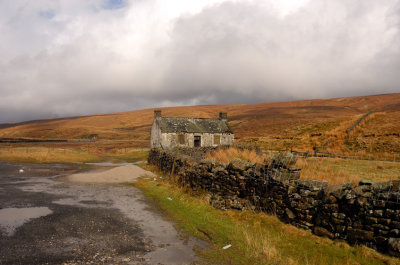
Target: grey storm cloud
71,57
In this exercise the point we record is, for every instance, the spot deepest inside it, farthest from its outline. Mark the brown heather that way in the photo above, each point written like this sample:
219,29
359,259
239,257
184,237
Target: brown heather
298,125
227,155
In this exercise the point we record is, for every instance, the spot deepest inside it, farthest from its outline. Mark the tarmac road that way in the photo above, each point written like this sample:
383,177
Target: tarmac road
47,220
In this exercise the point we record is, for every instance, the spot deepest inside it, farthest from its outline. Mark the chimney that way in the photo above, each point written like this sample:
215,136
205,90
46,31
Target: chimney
223,116
157,113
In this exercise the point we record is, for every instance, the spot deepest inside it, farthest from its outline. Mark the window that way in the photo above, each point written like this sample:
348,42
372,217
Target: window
181,139
197,141
217,139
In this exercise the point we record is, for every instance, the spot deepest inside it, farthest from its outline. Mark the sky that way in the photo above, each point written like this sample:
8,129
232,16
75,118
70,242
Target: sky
71,57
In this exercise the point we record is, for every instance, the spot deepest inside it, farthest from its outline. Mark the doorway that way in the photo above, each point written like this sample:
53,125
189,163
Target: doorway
197,141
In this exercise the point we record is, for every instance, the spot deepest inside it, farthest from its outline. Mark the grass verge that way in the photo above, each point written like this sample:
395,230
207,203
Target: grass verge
40,154
256,238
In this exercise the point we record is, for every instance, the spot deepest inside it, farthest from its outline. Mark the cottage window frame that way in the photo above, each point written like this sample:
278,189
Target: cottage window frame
197,141
181,139
217,139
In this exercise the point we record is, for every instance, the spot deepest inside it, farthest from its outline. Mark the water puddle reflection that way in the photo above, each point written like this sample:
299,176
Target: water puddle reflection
12,218
108,164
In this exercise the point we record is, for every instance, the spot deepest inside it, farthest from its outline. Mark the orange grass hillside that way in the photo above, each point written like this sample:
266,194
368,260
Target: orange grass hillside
298,125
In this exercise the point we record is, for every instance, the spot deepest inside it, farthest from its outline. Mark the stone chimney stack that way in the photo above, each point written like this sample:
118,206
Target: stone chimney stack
157,113
223,116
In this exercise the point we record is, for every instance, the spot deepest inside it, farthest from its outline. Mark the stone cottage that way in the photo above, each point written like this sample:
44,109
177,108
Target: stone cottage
169,132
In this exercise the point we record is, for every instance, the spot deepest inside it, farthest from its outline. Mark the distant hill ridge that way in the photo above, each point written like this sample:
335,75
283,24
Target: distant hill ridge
294,124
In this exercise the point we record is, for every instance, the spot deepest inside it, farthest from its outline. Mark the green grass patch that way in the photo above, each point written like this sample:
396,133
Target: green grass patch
256,238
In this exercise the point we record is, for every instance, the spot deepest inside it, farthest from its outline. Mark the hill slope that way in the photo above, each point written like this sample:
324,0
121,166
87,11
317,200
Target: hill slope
280,125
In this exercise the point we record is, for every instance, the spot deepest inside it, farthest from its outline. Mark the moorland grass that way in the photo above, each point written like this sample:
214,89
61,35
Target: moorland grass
335,170
298,125
340,170
42,154
227,155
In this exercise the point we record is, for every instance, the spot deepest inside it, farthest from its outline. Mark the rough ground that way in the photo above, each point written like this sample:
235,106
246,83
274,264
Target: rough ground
81,223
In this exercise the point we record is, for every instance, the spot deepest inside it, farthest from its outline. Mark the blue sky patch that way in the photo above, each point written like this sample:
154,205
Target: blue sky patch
48,14
114,4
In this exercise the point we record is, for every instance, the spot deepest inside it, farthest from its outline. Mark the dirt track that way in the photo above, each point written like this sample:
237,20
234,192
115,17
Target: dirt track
122,174
44,220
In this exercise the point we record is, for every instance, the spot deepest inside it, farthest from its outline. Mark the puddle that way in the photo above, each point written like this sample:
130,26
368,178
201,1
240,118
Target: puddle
32,180
107,164
12,218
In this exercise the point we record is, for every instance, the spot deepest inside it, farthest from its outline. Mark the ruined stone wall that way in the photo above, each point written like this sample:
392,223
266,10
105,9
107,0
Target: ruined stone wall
368,213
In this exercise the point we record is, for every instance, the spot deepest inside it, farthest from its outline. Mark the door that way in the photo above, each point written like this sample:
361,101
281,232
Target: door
197,141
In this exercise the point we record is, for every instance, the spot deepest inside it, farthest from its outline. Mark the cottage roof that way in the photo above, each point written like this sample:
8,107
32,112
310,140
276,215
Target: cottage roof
191,125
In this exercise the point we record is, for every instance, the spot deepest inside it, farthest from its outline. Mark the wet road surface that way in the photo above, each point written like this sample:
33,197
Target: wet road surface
45,220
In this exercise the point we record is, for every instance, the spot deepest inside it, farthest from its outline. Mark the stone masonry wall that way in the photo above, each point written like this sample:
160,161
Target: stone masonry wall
368,213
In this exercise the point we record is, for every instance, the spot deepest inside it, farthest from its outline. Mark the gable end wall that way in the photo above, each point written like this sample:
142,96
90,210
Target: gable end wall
155,135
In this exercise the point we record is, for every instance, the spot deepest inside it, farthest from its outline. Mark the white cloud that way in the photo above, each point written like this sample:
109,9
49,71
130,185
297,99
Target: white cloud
65,57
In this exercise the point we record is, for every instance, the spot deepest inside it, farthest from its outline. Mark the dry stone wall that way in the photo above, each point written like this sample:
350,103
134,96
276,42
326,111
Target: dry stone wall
367,213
